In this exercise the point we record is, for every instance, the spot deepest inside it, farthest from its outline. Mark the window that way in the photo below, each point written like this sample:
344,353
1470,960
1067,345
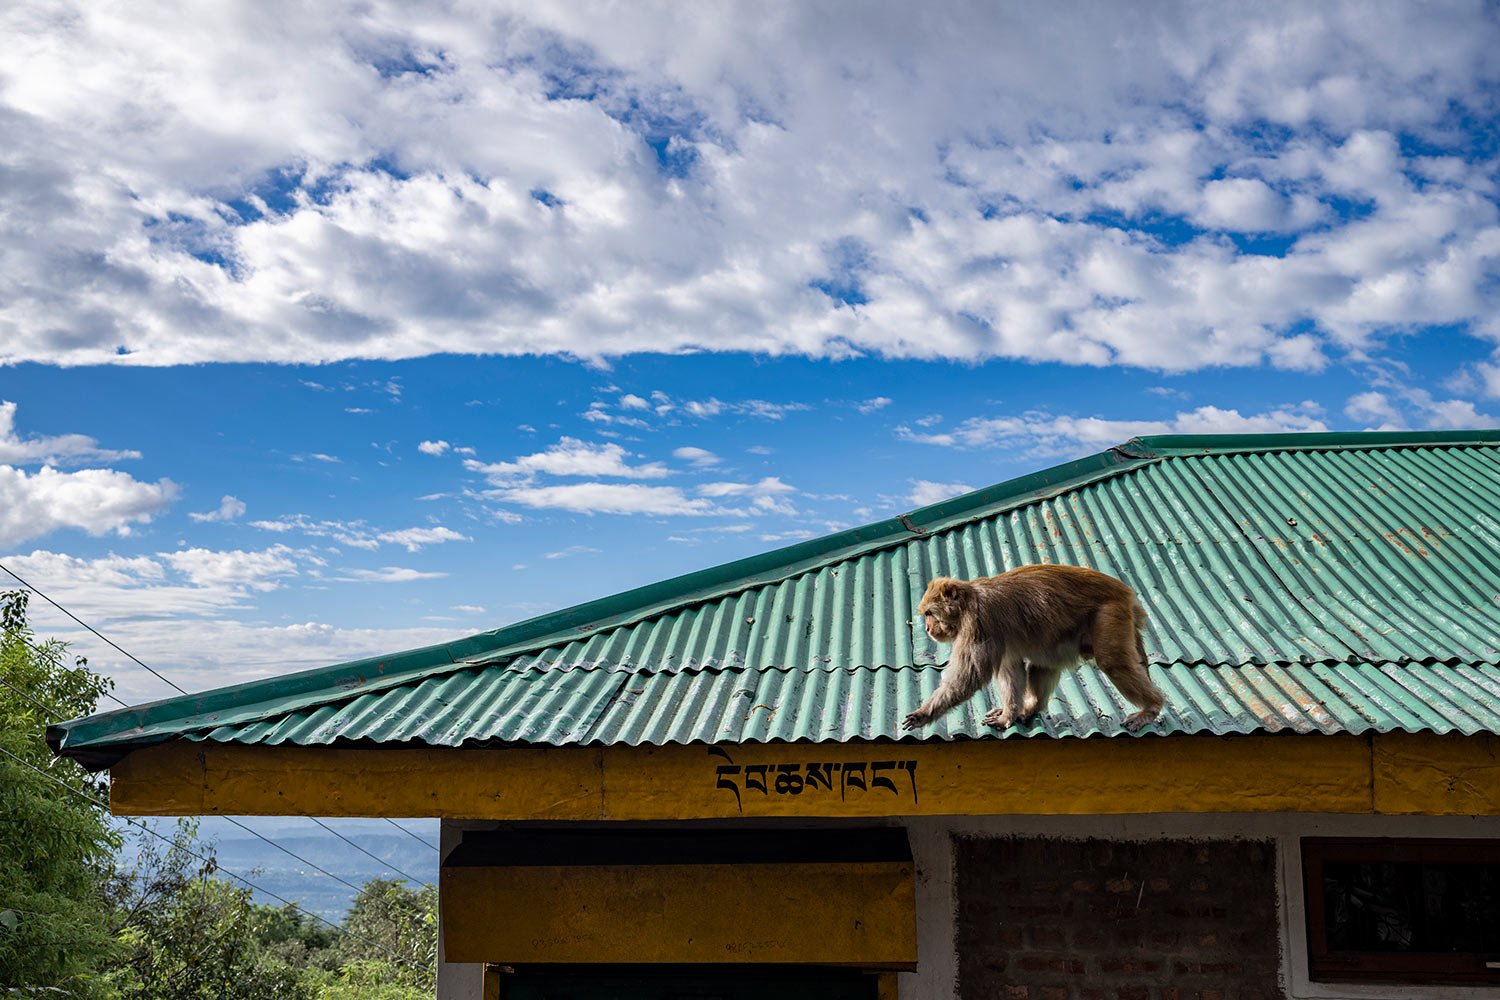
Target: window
1402,911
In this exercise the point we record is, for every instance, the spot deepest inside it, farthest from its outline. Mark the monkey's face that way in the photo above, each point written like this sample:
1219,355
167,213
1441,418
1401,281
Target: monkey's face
941,608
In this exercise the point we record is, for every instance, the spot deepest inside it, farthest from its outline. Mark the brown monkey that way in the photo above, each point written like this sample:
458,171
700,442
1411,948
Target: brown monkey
1024,628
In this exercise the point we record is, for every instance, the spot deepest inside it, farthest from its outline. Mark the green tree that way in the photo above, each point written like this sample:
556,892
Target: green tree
190,936
56,848
391,930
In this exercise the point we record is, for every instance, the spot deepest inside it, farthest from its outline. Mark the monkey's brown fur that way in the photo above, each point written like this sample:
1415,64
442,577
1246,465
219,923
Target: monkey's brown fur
1024,628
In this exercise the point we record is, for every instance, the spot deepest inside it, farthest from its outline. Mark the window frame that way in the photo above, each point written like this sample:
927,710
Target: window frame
1384,968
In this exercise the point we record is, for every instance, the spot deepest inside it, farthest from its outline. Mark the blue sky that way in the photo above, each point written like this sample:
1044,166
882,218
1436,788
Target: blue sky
343,330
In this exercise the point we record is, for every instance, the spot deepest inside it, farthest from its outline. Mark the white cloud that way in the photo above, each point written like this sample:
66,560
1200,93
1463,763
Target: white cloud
569,457
359,535
229,509
98,501
469,609
705,409
769,495
189,583
700,457
573,550
1044,433
630,401
234,567
414,538
606,498
767,486
926,492
387,574
317,456
61,449
1400,408
1376,410
1043,185
433,447
872,405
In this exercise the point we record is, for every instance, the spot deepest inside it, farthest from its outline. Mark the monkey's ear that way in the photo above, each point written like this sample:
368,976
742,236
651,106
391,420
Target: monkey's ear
950,589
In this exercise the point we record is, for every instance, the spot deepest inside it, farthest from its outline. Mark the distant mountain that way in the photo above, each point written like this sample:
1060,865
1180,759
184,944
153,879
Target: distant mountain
277,872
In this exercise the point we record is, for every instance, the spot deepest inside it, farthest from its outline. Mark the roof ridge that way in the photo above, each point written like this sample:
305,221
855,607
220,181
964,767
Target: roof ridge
1179,445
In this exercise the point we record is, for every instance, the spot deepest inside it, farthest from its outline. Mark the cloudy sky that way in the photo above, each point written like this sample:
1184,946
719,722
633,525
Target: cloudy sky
328,330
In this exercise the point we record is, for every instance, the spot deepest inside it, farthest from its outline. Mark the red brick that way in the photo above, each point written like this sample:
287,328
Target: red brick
1010,937
1208,940
1210,994
1017,993
1198,884
1092,993
1085,885
1133,993
1054,993
1165,940
1045,885
1088,937
1159,884
1046,937
1118,885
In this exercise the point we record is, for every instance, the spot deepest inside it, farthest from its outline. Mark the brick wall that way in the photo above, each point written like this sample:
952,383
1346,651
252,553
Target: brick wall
1043,919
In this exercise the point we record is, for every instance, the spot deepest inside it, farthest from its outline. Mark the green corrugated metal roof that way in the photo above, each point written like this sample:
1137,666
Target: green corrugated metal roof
1313,582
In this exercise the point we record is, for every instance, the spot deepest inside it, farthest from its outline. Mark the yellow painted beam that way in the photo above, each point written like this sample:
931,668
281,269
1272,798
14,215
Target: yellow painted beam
1262,773
855,914
1432,775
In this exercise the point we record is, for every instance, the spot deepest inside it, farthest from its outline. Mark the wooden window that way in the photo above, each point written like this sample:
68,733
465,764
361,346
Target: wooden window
1402,911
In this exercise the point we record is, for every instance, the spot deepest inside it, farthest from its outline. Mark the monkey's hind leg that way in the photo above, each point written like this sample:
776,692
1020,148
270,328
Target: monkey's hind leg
1010,679
1120,653
1041,681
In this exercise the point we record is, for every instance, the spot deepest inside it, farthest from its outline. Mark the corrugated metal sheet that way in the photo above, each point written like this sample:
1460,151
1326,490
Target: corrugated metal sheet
604,707
1338,587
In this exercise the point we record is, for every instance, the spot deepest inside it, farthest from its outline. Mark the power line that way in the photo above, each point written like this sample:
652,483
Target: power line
91,628
289,852
383,862
187,850
42,651
178,844
413,836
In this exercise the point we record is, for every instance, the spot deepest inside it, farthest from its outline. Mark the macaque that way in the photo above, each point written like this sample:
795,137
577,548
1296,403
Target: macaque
1024,628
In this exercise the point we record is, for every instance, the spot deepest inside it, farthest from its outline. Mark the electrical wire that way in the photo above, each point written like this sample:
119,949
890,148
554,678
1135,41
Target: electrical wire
187,850
160,836
384,863
91,628
289,852
44,652
413,836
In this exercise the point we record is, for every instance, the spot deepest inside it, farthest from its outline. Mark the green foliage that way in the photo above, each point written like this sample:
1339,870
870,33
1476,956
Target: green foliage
188,935
56,849
394,925
363,979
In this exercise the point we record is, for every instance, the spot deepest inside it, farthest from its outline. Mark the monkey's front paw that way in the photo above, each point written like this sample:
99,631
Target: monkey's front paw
1140,720
997,717
916,720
